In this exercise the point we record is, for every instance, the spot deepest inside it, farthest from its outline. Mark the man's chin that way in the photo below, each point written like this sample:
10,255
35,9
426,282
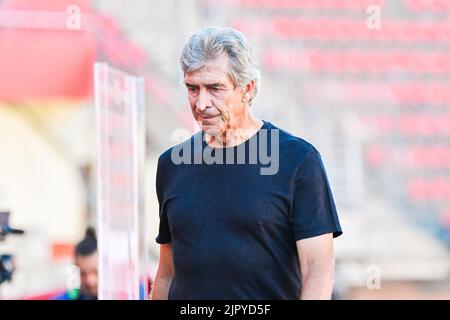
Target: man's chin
211,130
92,293
89,291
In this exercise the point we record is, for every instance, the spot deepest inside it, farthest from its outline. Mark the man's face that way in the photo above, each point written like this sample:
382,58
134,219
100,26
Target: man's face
88,273
215,102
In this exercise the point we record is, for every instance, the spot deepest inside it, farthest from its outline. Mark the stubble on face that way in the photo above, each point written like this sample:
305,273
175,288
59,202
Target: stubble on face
215,103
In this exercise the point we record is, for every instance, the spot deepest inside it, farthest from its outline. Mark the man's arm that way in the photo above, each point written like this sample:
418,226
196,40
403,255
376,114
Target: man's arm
317,266
165,273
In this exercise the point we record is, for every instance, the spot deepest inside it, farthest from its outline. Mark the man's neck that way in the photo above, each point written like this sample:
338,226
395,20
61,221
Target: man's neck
239,132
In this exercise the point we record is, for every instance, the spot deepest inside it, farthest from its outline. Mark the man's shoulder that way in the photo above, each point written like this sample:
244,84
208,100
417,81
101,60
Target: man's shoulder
294,146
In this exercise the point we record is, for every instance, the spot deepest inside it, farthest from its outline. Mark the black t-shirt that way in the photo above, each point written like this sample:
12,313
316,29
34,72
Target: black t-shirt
232,228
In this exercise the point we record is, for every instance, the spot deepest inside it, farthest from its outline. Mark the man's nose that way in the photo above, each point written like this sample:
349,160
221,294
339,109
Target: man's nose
203,101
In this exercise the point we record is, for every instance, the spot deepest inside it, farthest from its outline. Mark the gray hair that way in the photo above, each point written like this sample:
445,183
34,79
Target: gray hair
212,42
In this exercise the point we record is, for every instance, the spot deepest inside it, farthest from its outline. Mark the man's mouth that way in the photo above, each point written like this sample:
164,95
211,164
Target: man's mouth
206,118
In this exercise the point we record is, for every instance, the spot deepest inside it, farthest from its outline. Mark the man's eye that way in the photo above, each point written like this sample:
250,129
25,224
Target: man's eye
192,90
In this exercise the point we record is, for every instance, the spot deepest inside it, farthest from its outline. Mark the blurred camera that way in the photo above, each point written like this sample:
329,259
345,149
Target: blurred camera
5,228
7,265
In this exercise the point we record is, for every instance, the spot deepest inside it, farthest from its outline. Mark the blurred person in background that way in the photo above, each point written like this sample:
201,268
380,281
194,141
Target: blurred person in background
230,231
86,259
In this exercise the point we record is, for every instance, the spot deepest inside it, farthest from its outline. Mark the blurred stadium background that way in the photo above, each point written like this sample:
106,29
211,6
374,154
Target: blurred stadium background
375,102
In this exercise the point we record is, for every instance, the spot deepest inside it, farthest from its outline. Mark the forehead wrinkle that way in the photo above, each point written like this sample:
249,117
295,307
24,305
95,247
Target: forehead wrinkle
215,71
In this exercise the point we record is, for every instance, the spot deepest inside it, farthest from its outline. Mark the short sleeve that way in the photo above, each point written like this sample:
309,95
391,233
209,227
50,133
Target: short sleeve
313,208
164,235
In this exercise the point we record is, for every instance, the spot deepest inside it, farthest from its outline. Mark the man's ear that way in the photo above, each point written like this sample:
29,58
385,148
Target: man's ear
248,91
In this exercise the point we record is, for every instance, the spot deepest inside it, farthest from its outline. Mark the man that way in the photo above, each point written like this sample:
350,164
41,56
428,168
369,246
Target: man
86,259
229,229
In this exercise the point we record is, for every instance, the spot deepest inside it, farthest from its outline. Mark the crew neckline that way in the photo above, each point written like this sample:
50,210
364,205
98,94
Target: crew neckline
265,125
